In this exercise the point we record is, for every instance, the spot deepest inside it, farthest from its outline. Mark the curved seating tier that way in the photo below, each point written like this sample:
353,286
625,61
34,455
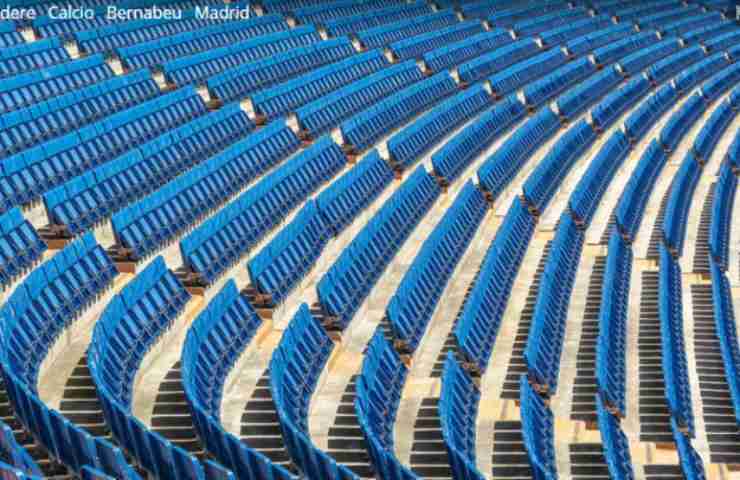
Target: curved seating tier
156,52
538,432
197,67
384,35
34,316
418,45
675,367
381,16
267,67
29,174
458,52
25,128
32,56
214,342
411,308
611,352
348,281
410,143
83,201
379,388
20,246
719,230
130,326
615,444
724,320
477,327
294,373
458,408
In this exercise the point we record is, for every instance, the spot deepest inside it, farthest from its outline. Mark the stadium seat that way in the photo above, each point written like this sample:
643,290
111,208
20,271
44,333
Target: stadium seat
221,241
491,62
458,408
197,67
451,55
283,262
9,34
156,52
242,80
498,169
326,112
611,352
418,45
295,367
546,336
35,86
624,47
20,246
724,322
379,389
673,351
478,324
376,18
29,174
347,282
521,73
410,143
618,101
457,154
22,129
411,308
83,201
217,337
366,127
631,206
552,84
31,56
543,182
594,182
719,230
678,204
615,444
384,35
538,431
347,196
640,120
593,40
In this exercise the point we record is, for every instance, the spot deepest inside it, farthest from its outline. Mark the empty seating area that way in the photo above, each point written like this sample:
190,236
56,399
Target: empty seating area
370,240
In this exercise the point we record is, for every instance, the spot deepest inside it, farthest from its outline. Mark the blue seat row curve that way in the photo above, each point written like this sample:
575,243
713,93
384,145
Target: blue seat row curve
344,286
673,358
366,127
132,323
216,339
543,182
384,35
511,78
719,229
456,155
24,128
477,328
224,238
116,35
411,308
29,174
20,246
295,367
458,408
611,342
283,262
198,67
504,56
156,52
546,336
538,432
364,21
418,45
32,56
324,113
455,53
61,288
262,72
614,443
322,12
379,387
682,189
83,201
15,459
724,321
410,143
35,86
